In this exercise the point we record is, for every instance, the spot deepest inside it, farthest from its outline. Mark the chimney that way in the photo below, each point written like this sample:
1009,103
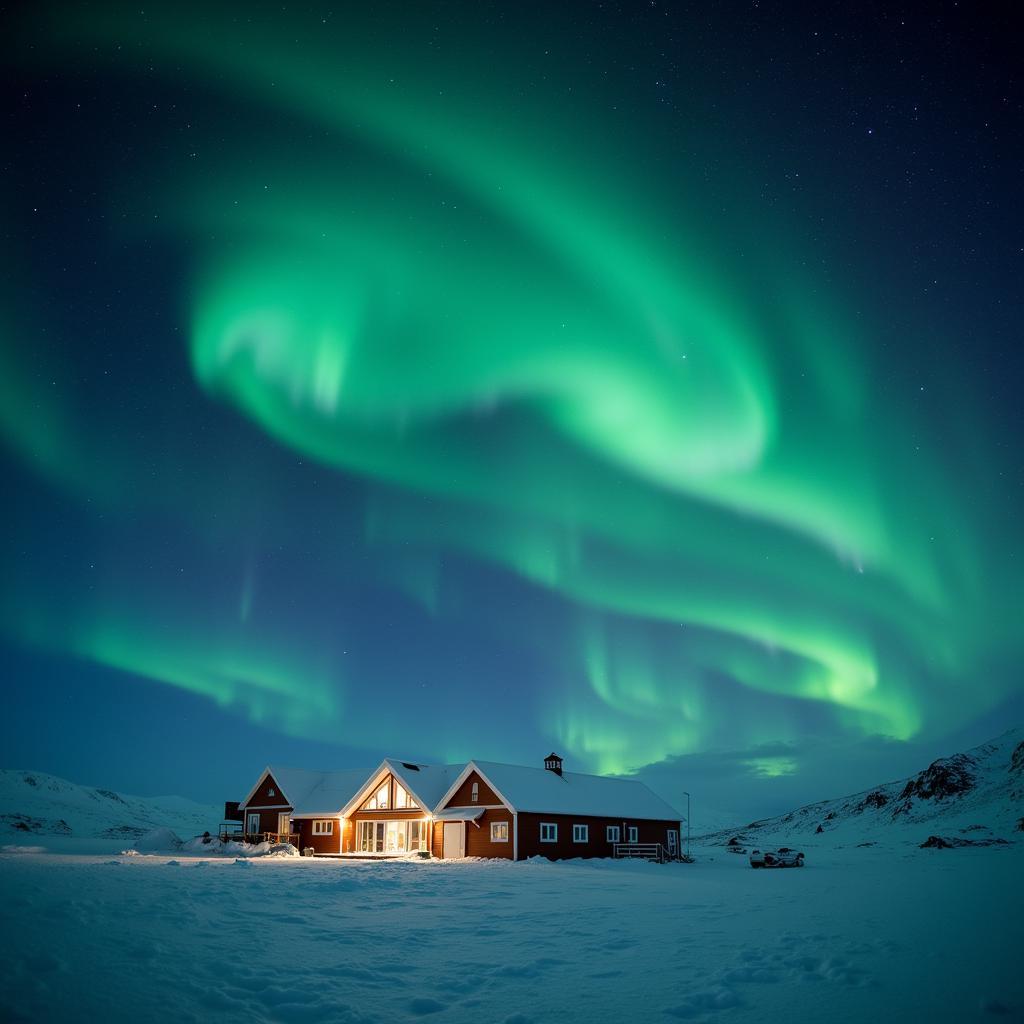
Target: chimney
553,763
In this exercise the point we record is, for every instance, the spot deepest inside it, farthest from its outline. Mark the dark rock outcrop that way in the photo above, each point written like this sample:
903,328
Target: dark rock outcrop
949,842
947,777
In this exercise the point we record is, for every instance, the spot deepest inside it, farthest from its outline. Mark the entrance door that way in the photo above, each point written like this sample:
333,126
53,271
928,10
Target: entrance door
252,825
284,826
673,842
454,839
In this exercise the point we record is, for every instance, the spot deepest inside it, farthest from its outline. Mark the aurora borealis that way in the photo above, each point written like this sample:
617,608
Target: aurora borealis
415,381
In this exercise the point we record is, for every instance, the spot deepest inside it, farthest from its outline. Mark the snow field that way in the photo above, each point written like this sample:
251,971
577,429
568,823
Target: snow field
857,935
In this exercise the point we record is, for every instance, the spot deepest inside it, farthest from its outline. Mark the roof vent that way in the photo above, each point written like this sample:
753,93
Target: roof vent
553,763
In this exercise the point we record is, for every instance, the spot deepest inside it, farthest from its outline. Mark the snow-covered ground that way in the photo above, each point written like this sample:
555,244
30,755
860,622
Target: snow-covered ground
874,928
860,934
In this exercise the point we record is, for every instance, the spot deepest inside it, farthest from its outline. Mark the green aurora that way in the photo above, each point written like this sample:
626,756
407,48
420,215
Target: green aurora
665,422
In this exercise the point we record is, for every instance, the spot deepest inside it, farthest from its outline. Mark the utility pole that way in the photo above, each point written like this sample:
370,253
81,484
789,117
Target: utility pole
687,795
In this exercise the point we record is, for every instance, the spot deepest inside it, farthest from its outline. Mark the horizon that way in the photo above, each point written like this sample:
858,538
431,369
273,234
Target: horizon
720,817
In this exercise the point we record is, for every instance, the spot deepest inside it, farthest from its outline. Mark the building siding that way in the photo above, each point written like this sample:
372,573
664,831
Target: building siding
262,797
320,843
268,819
597,846
478,840
463,796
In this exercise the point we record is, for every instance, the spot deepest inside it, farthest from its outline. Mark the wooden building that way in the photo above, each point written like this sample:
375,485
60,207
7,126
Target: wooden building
474,809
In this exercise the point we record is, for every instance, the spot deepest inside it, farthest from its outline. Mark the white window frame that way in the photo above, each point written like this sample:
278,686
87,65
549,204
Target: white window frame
495,826
249,816
474,793
634,834
613,833
552,829
580,833
323,827
271,792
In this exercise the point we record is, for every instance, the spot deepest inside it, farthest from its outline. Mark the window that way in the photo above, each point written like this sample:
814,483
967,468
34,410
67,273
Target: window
632,833
417,835
475,792
379,800
548,832
370,836
581,833
391,836
271,791
613,833
499,831
323,828
402,797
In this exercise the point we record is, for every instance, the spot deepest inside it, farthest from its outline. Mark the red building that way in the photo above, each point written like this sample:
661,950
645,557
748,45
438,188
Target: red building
475,809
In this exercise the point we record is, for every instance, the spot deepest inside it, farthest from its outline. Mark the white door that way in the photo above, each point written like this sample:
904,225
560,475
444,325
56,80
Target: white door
253,825
673,842
454,839
284,825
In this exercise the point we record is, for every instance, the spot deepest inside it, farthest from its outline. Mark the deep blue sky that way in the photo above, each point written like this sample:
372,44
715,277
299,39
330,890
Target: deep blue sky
640,381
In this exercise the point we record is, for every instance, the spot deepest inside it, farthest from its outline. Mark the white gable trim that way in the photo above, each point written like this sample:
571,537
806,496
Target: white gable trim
424,806
378,776
252,792
465,774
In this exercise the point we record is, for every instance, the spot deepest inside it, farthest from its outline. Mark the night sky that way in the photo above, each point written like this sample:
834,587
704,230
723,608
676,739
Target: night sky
641,381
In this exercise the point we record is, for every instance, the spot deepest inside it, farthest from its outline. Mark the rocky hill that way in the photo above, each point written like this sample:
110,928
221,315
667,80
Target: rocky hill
968,799
34,805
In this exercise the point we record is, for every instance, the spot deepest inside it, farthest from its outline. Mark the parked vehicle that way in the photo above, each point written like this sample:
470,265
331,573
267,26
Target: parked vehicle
783,857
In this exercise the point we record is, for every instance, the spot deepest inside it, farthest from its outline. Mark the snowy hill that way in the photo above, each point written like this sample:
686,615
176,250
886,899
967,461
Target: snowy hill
34,805
974,798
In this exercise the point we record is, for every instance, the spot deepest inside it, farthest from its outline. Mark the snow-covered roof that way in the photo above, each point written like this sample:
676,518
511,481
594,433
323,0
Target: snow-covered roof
317,792
427,782
543,791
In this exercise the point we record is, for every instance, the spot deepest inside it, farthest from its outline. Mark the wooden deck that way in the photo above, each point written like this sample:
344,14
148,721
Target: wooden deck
226,836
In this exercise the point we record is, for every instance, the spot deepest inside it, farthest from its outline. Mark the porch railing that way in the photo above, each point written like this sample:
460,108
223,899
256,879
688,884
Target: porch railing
645,851
241,836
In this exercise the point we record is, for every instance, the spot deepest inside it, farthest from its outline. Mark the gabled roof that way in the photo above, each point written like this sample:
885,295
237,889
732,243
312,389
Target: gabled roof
313,792
544,792
425,783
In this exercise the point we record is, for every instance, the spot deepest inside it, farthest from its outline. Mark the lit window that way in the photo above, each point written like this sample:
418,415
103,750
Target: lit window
581,833
379,800
499,831
417,835
632,833
548,832
323,828
613,833
475,792
402,797
370,836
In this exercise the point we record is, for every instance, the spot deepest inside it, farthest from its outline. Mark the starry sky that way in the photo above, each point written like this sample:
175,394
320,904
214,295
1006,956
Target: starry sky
445,380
